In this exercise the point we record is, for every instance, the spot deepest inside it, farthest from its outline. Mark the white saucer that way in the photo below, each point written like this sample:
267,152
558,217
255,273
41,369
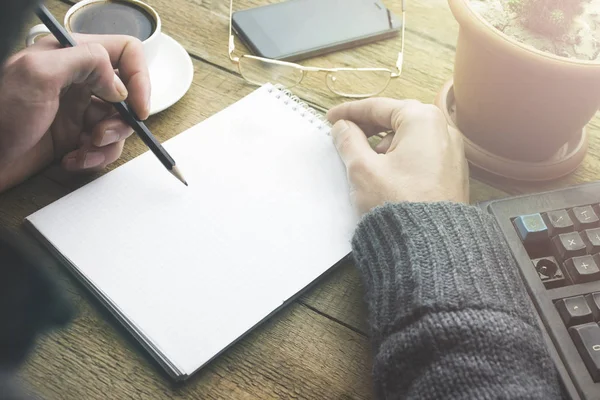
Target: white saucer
171,74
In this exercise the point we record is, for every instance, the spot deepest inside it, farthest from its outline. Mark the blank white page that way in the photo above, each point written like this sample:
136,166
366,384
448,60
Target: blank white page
267,211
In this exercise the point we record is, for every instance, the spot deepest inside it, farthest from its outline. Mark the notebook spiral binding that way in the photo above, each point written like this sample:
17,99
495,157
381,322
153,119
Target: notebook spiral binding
305,111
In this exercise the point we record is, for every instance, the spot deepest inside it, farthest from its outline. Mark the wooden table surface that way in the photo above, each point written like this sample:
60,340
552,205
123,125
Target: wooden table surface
318,347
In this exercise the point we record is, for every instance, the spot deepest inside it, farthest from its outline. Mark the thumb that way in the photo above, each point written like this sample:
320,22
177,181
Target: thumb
87,64
350,141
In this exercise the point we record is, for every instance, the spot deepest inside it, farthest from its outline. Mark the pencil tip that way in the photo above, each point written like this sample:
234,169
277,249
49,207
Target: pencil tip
177,174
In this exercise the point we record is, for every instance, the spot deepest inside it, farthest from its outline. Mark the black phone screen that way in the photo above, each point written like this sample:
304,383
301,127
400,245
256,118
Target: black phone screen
297,29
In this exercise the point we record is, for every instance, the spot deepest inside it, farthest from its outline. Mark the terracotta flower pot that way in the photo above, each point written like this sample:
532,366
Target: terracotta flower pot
516,101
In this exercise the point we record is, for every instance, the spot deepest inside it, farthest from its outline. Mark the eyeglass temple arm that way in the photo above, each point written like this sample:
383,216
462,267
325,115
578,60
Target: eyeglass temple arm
400,60
231,49
231,39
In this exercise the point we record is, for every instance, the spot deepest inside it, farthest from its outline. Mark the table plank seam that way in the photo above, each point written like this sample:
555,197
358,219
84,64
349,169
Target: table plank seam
333,319
58,182
431,39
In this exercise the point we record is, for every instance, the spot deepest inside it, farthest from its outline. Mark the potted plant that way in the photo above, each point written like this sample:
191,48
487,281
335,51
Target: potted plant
526,82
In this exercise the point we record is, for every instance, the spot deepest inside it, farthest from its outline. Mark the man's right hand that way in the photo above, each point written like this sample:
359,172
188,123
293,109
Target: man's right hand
50,108
420,161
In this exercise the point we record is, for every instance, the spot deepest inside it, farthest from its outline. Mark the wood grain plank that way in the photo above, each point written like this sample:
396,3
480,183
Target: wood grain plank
297,355
26,198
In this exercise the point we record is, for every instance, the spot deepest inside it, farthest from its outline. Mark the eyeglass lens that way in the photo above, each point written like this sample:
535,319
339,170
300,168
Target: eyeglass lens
260,72
358,83
352,83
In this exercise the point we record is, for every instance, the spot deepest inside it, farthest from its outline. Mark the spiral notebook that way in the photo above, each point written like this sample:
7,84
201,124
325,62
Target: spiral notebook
190,270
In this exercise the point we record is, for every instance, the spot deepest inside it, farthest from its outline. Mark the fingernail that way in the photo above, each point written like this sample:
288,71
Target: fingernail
120,87
93,159
339,127
110,136
149,102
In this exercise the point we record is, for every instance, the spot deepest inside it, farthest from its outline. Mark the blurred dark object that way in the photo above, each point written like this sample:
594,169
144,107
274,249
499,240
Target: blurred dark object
13,14
31,302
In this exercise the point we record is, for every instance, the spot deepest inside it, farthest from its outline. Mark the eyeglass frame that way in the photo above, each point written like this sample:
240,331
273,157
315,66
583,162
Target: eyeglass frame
304,69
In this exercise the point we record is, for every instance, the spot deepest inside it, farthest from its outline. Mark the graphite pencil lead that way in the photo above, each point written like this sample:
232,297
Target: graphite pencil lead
177,174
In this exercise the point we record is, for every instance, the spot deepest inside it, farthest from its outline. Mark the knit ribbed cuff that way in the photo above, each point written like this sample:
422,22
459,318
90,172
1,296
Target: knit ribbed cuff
420,258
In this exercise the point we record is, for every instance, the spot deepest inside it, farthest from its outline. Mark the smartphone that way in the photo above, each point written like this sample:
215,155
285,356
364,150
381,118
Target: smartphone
297,29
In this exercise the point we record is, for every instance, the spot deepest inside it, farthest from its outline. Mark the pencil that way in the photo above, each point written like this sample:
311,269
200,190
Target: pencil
138,126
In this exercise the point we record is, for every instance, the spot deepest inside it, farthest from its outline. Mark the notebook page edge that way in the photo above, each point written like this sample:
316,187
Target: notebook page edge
275,311
153,349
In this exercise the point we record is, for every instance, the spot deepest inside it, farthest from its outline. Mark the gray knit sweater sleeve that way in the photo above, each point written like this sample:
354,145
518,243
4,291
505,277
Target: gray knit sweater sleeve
449,317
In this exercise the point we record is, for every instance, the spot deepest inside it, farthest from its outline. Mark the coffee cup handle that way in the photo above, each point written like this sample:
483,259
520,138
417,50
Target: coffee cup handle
34,32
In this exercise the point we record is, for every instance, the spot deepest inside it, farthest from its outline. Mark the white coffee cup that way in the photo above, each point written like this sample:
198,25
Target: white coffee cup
151,44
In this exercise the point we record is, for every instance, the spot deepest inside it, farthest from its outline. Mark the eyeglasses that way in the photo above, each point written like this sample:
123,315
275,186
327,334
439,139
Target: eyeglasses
347,82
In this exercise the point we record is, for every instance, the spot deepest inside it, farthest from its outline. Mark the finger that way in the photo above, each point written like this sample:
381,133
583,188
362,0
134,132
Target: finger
456,137
112,152
92,158
421,126
85,139
384,145
377,113
97,111
85,158
88,64
350,142
126,53
110,131
457,141
370,130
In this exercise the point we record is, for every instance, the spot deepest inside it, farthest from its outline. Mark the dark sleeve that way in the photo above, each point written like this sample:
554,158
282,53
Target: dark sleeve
31,302
448,314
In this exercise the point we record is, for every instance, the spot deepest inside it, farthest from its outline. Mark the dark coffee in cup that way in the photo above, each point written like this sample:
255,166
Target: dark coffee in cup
113,17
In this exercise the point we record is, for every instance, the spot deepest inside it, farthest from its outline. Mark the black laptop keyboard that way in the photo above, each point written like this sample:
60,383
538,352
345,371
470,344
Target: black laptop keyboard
555,241
564,248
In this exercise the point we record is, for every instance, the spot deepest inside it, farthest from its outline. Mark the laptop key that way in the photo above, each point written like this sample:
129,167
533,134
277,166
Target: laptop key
531,228
574,310
587,341
569,245
585,217
593,300
583,269
591,237
558,221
